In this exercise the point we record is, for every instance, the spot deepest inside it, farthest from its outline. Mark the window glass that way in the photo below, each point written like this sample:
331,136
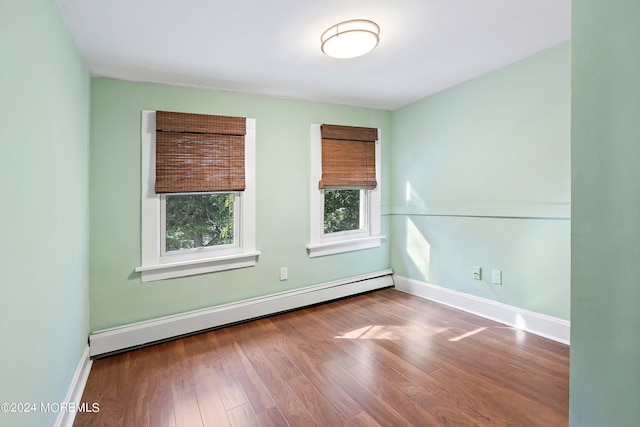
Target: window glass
199,220
342,210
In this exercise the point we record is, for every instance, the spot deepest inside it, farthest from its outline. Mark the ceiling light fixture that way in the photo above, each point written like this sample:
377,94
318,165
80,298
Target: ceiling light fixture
350,39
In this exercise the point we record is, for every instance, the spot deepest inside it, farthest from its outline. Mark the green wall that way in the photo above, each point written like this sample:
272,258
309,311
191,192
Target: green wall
481,176
605,151
44,227
282,174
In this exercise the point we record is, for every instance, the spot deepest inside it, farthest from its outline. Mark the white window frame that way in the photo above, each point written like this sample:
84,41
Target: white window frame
158,266
321,244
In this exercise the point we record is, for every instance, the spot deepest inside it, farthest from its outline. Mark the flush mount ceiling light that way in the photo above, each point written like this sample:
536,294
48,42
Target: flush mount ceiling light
350,39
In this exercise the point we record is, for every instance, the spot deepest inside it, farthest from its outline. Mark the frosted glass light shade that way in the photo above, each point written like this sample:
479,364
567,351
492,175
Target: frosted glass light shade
350,39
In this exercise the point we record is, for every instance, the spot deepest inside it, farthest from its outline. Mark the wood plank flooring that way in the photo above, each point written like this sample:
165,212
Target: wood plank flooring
380,359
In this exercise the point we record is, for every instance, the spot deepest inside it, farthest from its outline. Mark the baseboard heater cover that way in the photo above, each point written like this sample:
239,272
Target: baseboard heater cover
114,340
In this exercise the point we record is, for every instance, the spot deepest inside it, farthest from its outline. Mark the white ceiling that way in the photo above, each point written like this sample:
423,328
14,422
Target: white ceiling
272,47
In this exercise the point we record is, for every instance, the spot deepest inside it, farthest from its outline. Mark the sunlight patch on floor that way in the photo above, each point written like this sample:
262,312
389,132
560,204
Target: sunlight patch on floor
390,332
468,334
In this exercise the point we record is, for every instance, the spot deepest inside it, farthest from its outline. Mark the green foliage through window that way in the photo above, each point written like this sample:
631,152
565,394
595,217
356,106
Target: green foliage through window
199,220
341,210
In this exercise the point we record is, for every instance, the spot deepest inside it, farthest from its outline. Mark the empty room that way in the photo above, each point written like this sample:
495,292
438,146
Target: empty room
336,213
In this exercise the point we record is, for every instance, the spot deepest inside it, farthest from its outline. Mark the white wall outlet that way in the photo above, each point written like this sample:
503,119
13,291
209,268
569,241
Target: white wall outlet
283,273
476,273
496,277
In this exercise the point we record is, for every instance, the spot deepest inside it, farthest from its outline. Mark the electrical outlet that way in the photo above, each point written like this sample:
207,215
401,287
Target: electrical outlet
476,273
496,277
283,273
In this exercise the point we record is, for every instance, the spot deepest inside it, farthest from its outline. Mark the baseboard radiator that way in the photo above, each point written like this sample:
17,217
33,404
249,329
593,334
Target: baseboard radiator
122,338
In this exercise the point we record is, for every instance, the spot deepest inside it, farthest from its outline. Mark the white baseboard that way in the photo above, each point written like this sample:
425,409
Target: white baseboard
74,395
142,333
536,323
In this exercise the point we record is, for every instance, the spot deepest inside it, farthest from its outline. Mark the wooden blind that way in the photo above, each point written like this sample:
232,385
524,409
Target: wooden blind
348,157
199,153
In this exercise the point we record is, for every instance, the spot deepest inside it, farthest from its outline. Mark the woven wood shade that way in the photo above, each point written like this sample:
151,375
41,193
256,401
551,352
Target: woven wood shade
348,158
199,153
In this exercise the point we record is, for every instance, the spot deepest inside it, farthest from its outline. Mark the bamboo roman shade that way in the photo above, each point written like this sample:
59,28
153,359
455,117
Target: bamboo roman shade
199,153
348,157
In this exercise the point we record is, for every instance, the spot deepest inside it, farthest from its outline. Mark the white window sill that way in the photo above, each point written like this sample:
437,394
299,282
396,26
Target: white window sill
347,245
200,266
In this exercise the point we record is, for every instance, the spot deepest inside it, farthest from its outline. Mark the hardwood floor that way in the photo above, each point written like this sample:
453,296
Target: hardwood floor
380,359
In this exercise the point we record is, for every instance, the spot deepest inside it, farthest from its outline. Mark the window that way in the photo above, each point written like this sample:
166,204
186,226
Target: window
345,191
198,221
198,194
344,210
